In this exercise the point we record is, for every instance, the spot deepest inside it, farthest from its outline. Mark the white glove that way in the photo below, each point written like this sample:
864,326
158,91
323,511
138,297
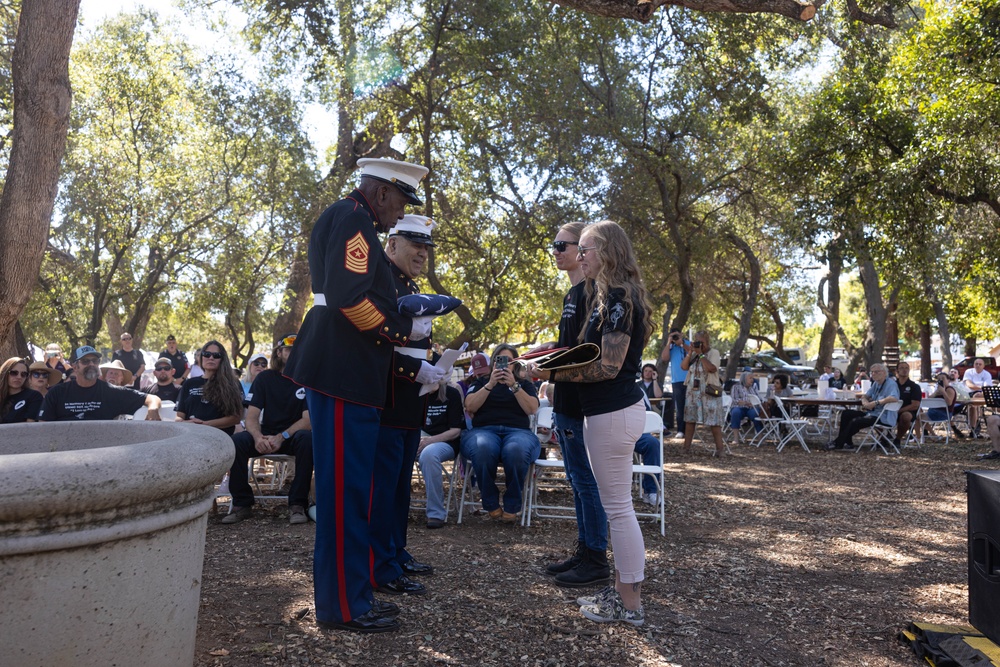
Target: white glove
421,328
430,374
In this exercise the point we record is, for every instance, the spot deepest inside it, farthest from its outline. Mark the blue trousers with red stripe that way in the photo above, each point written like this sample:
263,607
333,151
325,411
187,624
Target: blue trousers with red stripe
344,436
395,454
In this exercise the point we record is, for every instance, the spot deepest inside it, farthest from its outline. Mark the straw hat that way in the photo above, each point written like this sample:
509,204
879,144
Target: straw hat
118,365
55,377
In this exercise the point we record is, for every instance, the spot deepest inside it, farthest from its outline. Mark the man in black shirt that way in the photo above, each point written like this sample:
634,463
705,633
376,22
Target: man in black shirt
177,359
284,429
130,358
910,395
88,397
164,387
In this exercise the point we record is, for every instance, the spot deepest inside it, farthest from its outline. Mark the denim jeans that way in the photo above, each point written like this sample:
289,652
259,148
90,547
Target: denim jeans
591,521
738,413
680,392
486,447
649,450
432,458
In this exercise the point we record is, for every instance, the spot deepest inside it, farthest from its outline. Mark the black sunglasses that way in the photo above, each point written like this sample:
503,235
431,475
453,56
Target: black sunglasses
259,362
39,374
560,246
212,355
163,368
20,374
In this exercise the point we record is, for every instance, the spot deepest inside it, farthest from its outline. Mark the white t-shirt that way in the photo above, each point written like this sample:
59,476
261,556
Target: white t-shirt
983,379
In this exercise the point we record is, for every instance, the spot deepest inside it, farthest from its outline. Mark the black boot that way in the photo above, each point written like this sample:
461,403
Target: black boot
569,563
593,569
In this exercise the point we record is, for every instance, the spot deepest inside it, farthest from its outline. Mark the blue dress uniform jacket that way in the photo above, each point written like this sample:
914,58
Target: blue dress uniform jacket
344,348
404,406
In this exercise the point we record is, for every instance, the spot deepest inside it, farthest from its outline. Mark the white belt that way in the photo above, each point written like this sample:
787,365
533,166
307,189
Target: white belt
319,299
415,352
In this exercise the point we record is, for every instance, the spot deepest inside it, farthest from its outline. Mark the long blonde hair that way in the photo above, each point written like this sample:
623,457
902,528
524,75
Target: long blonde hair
619,270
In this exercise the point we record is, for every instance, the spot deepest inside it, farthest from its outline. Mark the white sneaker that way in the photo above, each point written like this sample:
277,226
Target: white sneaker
679,436
651,499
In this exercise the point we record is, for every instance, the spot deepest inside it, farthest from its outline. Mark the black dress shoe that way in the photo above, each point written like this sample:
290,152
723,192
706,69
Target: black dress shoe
387,609
412,566
370,621
400,585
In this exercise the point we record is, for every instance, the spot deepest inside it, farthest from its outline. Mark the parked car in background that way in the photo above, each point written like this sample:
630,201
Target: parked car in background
839,360
766,365
990,366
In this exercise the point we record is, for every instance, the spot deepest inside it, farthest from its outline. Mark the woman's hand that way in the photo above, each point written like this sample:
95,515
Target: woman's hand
536,372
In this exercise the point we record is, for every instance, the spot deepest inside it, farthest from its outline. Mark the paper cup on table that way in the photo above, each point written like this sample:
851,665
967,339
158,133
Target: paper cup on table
866,385
762,384
821,387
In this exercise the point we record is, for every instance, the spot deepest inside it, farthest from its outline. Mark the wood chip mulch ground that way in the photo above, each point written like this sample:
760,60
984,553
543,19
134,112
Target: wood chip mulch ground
770,559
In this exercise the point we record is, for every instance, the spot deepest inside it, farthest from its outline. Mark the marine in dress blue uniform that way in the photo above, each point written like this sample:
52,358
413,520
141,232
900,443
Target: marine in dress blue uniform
399,434
342,356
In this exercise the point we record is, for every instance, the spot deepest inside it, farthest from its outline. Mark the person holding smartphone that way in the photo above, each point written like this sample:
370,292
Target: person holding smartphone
501,406
702,366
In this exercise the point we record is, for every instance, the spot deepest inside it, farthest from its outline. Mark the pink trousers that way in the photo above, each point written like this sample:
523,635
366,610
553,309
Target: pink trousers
610,440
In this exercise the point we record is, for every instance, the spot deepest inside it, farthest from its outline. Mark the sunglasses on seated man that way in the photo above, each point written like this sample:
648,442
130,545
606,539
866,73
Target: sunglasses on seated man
560,246
162,368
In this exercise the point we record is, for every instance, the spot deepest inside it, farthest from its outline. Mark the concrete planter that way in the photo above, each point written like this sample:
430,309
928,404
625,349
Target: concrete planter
102,540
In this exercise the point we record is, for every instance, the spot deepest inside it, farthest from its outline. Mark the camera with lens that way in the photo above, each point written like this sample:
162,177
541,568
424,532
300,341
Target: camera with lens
697,344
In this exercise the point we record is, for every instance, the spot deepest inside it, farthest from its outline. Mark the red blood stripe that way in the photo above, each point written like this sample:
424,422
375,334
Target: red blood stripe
371,552
338,454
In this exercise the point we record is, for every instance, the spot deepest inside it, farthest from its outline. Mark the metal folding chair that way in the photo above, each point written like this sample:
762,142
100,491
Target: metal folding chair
653,425
796,428
926,405
770,429
879,435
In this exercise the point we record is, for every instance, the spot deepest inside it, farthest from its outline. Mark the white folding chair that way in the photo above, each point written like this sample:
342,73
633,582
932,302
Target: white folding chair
167,412
879,435
796,428
926,405
770,424
653,425
546,473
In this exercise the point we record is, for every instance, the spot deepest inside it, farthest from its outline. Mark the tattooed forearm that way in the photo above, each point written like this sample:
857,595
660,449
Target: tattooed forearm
614,347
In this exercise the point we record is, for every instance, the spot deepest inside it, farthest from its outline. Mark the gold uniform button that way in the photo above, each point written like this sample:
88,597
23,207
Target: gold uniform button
411,374
400,369
385,329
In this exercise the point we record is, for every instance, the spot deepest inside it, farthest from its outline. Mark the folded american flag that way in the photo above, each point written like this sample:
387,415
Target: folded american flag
427,305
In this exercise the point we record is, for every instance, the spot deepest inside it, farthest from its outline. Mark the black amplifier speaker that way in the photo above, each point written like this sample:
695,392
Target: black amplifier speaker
984,552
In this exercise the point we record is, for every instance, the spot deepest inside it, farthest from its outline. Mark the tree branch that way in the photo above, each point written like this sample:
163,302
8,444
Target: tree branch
642,10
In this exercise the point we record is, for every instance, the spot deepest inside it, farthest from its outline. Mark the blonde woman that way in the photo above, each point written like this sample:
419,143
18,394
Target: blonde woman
620,322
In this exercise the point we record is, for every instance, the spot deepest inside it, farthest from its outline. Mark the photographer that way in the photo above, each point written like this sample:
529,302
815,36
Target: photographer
704,391
501,406
676,350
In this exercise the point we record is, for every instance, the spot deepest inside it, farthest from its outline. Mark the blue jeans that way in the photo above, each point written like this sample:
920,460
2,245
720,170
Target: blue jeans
591,521
486,447
738,413
649,450
680,392
431,459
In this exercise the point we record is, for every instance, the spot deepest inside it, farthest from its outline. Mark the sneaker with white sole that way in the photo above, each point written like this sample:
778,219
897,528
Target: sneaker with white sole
598,598
297,515
612,611
651,499
679,436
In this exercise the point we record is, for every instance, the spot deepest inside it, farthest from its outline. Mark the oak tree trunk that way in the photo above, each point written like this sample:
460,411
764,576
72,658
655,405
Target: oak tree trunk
42,98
